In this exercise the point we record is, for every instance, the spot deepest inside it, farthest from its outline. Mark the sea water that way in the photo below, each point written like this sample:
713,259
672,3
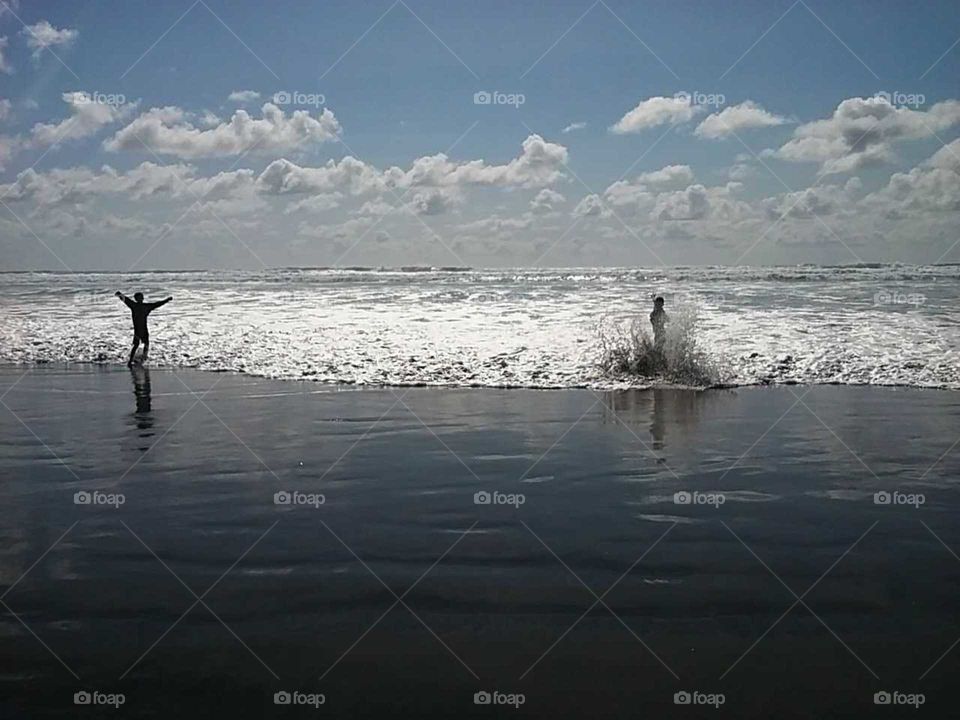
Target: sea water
543,328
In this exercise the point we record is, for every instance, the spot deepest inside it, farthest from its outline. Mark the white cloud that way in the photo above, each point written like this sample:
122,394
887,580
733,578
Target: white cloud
639,192
862,132
573,127
692,203
947,157
315,203
539,163
671,176
433,201
657,111
243,96
87,116
736,118
6,107
167,131
804,204
146,181
590,206
348,175
546,201
43,35
497,225
932,187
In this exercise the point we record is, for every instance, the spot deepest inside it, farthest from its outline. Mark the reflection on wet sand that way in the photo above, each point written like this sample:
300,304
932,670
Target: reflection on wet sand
141,391
673,412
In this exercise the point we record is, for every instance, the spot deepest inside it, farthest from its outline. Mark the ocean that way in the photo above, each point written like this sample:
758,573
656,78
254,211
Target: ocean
864,324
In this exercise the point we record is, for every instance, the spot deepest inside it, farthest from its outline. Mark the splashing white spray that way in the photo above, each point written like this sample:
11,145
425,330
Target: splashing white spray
627,350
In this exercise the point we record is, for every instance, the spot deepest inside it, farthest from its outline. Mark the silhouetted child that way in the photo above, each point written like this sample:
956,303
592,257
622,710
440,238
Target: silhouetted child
140,310
658,318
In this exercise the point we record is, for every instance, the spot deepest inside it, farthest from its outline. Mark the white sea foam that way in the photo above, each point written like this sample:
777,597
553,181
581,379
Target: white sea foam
884,324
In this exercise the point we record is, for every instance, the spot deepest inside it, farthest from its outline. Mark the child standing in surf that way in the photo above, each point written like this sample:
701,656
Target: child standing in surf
658,318
140,310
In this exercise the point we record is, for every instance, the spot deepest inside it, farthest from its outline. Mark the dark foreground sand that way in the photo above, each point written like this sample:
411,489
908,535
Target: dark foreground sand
798,596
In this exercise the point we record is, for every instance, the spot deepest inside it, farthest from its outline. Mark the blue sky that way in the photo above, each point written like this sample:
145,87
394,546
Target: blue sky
398,80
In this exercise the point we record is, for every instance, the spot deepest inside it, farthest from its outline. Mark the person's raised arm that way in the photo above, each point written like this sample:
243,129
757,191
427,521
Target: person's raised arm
127,301
154,306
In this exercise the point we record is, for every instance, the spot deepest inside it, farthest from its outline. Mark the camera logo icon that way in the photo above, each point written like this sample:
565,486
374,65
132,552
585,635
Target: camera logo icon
882,698
82,698
82,498
482,98
682,698
682,498
881,498
282,698
481,498
281,98
482,698
282,498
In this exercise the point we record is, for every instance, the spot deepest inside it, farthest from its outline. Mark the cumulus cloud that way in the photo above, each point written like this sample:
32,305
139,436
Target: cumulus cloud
640,191
87,116
169,131
862,132
590,206
433,201
315,203
539,163
736,118
348,175
804,204
689,204
243,96
932,187
497,225
656,111
546,201
43,35
147,180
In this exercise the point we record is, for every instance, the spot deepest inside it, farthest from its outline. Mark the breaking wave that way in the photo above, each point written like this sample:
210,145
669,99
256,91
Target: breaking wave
876,324
627,351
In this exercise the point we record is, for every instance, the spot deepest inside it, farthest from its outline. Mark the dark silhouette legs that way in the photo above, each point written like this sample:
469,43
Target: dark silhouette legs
133,350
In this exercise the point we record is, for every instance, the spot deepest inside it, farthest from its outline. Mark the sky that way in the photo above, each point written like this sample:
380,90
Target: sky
242,134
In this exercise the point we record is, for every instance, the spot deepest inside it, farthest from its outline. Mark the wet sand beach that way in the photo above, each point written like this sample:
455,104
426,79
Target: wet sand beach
589,553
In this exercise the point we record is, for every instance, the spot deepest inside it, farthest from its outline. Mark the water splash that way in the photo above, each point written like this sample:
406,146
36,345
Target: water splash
628,351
